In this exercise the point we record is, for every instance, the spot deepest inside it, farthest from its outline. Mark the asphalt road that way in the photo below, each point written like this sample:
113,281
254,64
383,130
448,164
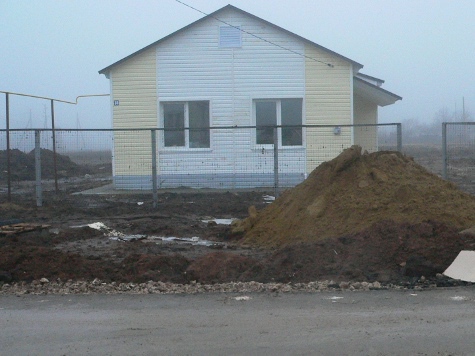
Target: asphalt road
436,322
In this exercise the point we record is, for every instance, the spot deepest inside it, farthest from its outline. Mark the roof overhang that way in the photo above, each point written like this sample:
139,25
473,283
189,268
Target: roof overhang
373,93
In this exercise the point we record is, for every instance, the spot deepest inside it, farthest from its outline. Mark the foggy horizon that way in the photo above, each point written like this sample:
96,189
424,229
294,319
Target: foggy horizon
422,50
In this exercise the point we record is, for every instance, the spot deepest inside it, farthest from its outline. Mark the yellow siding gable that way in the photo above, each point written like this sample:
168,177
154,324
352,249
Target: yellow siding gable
134,86
328,101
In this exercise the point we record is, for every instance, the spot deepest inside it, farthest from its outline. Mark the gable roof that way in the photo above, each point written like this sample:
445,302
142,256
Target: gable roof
214,15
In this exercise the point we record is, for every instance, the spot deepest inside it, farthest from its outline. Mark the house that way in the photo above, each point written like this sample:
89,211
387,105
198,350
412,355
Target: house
233,69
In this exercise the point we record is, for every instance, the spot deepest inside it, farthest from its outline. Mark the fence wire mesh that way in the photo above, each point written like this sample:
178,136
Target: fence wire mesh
223,157
459,154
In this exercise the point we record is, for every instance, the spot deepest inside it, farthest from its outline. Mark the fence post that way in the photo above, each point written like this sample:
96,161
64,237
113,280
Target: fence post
39,192
276,162
154,168
399,137
54,148
444,150
7,123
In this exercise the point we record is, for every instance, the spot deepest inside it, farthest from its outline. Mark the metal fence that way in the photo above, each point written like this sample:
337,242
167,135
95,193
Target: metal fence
152,159
458,153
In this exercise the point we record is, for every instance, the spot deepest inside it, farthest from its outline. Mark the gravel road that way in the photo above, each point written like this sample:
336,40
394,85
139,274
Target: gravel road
386,322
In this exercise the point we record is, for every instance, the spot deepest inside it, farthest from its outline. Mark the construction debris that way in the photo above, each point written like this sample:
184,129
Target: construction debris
97,286
15,229
463,267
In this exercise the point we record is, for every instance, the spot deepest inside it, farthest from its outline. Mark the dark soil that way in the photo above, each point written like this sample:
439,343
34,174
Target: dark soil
68,252
387,249
386,252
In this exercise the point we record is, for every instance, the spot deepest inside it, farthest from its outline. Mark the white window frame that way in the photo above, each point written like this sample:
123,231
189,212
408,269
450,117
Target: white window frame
278,102
186,147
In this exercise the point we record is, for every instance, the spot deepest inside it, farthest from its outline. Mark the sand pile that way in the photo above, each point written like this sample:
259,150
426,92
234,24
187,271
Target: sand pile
351,193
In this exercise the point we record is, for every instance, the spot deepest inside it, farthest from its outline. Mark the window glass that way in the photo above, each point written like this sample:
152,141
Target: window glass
266,115
174,123
198,114
291,115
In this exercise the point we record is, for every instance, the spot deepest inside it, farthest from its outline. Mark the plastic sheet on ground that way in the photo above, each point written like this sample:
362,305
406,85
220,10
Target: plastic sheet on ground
220,221
268,198
114,234
117,235
195,240
463,267
242,298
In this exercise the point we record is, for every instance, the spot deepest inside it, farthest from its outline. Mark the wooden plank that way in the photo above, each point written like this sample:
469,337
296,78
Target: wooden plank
14,229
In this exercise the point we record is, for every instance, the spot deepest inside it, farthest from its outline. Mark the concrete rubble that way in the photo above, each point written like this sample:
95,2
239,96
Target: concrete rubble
44,286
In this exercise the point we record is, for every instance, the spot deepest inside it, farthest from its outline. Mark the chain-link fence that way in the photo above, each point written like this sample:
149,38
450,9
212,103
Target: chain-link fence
151,159
31,163
458,154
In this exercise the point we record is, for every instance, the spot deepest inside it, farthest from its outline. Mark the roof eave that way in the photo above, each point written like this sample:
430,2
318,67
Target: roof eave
380,96
371,77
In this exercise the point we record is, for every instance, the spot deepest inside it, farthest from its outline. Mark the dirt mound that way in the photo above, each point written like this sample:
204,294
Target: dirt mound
354,191
22,165
386,252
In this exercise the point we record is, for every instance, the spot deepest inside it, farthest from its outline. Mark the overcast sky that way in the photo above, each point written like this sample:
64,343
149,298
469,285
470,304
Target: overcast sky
424,50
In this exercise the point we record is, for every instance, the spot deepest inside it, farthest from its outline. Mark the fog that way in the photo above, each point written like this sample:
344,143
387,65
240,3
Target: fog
423,49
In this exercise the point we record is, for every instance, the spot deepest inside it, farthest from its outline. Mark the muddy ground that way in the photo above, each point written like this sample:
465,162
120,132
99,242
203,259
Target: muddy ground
68,249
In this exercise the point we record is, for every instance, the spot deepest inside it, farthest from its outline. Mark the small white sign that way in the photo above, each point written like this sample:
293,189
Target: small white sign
116,102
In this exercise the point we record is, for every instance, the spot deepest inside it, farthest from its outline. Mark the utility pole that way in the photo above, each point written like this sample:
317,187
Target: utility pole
7,119
55,167
463,108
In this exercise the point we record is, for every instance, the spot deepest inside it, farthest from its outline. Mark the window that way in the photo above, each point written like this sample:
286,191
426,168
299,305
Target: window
174,123
230,36
282,112
291,115
199,124
266,115
193,115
